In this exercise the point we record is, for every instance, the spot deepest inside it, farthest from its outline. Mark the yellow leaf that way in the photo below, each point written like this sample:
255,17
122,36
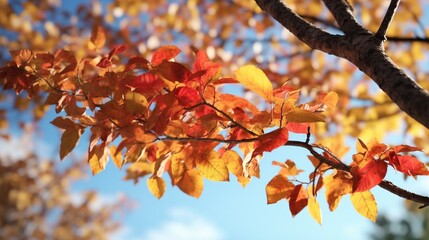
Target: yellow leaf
331,100
135,103
177,167
303,116
337,185
278,188
191,183
156,186
97,159
255,79
364,203
212,167
117,158
314,208
69,141
234,163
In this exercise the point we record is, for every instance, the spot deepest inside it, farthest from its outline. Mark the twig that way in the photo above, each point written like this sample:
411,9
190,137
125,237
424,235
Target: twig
381,33
230,118
187,139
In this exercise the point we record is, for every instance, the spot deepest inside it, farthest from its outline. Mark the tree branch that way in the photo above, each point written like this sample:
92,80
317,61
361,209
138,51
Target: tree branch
342,13
311,35
381,33
360,47
342,166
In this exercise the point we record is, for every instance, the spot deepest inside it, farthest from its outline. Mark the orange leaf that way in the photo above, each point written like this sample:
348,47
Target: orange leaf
156,186
177,167
69,140
330,99
304,116
164,53
365,204
337,185
116,156
369,175
97,158
271,141
278,188
191,183
62,122
98,37
298,199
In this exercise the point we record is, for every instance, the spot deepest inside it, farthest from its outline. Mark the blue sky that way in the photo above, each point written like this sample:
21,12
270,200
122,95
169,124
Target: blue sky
225,211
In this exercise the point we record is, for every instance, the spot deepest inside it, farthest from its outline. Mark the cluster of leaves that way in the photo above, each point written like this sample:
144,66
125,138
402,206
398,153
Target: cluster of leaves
161,117
25,213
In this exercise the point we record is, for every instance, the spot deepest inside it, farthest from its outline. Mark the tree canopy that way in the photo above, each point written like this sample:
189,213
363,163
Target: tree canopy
151,80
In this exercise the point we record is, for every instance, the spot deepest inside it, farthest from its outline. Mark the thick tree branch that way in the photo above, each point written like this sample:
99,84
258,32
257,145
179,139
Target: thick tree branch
342,13
311,35
381,33
360,47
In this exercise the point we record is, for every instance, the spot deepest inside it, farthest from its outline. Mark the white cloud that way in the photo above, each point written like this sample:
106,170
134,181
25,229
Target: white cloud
184,225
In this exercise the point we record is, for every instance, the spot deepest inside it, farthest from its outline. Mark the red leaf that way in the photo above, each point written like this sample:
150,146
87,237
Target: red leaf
271,141
187,97
297,127
146,84
116,49
203,63
298,199
405,148
173,71
411,166
104,63
369,175
137,62
164,53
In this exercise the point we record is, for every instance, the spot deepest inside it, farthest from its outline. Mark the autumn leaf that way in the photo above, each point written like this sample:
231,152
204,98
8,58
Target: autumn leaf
304,116
191,183
278,188
330,100
164,53
116,156
298,199
410,165
271,141
337,185
63,123
314,208
369,175
177,167
187,96
97,159
255,79
156,186
365,204
135,103
212,167
69,140
98,37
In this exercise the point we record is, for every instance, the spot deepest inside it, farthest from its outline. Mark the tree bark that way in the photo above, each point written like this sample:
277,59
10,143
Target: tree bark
360,47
